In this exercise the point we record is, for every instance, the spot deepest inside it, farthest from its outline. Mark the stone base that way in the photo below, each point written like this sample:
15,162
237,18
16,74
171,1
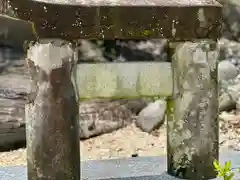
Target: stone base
136,168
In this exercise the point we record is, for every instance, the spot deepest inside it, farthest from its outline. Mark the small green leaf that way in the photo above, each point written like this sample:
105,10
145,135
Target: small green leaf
223,173
228,165
239,170
216,165
219,174
230,177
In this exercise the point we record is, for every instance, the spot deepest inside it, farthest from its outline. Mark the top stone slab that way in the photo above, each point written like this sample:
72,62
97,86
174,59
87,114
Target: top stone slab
122,19
131,2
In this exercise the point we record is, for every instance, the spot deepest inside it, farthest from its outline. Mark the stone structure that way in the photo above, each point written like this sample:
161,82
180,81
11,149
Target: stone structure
3,6
193,116
51,112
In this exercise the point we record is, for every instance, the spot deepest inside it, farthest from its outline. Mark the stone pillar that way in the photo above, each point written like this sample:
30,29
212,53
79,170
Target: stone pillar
52,112
192,127
3,6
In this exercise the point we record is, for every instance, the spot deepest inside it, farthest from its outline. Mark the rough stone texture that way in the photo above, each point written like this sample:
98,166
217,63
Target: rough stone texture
90,20
226,102
13,92
3,6
52,112
192,127
92,51
104,116
124,80
12,100
227,71
234,95
8,34
135,50
231,14
152,116
137,168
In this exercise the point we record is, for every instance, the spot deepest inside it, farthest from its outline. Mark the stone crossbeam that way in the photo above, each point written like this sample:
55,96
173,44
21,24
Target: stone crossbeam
124,19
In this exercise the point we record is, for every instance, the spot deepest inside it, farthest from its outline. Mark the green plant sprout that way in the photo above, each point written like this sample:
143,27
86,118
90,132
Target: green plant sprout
225,171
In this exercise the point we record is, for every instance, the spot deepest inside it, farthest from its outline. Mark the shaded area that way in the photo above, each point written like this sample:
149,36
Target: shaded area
12,102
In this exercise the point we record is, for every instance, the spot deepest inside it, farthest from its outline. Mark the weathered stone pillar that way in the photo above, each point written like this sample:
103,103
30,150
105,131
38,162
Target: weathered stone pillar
3,6
52,113
192,128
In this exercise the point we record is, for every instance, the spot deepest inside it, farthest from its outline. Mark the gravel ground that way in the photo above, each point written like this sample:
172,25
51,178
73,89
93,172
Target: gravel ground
121,143
124,143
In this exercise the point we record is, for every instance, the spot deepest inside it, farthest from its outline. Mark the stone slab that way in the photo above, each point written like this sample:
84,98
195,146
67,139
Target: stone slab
13,32
122,19
136,168
124,80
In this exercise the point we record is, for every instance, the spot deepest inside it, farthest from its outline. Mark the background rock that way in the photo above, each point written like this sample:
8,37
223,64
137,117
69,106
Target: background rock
96,117
104,116
226,102
227,71
152,116
90,52
12,103
231,14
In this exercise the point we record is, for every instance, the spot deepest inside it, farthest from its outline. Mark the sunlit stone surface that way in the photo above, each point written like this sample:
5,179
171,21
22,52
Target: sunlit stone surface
193,112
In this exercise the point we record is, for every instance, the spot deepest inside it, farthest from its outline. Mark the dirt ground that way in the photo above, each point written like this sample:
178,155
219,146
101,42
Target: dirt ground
122,143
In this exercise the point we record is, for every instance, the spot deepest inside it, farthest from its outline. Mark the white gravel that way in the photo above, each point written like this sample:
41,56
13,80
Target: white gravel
124,143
